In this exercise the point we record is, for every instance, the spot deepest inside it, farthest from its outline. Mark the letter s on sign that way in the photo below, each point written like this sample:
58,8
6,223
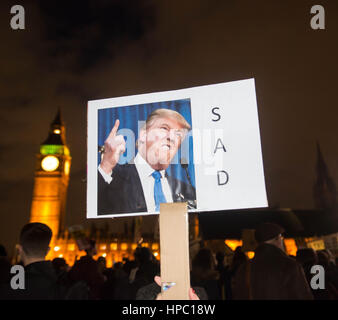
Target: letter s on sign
216,114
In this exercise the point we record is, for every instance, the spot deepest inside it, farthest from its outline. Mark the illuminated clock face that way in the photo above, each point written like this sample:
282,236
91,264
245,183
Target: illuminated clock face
50,163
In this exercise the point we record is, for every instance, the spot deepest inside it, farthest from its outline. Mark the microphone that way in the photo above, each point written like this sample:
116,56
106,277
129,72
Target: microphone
184,165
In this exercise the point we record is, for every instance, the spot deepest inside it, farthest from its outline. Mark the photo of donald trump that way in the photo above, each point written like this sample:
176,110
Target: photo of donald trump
143,183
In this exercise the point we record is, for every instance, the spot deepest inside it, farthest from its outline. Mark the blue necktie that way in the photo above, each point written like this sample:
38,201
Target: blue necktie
158,192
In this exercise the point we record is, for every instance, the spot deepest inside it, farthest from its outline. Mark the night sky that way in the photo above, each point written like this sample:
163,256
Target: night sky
75,51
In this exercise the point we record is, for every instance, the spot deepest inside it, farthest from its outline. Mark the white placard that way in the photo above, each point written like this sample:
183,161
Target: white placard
223,151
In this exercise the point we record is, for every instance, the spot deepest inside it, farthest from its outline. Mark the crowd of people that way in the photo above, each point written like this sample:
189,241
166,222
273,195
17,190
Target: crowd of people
271,274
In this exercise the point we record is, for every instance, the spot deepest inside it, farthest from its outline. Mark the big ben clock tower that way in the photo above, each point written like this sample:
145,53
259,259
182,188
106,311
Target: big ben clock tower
51,179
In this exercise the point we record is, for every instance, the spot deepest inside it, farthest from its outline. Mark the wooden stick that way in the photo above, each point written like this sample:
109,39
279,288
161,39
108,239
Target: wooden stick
174,241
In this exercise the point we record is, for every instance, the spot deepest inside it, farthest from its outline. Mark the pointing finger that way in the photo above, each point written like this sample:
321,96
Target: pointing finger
115,128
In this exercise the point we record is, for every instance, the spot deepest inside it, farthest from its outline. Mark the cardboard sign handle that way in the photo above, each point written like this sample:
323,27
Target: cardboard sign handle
174,241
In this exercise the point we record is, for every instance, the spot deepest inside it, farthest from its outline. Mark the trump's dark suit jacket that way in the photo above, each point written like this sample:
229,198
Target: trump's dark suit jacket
125,194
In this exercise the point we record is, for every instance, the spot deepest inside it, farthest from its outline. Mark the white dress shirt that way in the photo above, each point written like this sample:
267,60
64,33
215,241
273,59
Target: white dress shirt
145,171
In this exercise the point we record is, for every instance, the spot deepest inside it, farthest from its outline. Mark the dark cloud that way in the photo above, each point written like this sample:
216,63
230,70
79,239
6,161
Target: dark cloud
74,89
92,31
15,102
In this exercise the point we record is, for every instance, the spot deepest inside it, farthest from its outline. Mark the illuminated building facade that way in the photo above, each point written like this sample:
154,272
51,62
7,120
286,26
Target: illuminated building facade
112,249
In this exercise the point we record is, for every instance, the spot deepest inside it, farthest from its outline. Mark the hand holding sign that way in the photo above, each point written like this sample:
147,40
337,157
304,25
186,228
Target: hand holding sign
192,294
114,146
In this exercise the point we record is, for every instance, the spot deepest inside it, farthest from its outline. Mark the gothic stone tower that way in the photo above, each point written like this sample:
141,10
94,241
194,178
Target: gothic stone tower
51,179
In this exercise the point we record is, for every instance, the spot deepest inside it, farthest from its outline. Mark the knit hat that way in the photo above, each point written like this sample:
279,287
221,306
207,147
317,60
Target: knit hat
267,231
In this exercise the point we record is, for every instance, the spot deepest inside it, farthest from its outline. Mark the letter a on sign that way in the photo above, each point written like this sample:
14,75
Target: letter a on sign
18,20
318,20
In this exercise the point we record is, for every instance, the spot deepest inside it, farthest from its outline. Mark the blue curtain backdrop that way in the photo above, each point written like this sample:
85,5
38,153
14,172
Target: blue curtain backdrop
129,117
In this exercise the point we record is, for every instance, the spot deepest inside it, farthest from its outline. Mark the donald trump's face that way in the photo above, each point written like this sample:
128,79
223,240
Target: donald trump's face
159,142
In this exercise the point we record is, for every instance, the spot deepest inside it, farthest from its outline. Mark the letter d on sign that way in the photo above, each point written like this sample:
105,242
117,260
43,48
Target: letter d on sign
18,280
222,177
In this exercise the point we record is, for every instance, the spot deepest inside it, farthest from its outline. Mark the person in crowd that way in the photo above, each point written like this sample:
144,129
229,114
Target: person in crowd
221,268
60,266
330,292
147,269
5,267
205,275
307,257
3,251
40,280
61,269
332,259
117,286
118,266
271,274
87,269
102,265
220,261
238,259
128,266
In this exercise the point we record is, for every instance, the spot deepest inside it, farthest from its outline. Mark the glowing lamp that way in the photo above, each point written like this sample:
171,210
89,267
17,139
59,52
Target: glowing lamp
67,166
250,254
50,163
57,131
113,246
233,244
